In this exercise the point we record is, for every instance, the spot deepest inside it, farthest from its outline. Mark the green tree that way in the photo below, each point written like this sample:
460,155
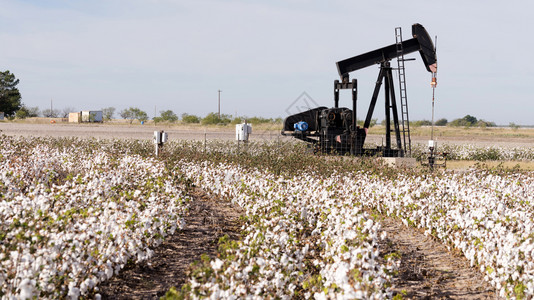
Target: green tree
27,112
166,115
187,118
133,113
10,98
22,113
107,113
468,121
441,122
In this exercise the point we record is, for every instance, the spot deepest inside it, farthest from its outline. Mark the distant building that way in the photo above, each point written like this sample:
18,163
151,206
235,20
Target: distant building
92,116
75,117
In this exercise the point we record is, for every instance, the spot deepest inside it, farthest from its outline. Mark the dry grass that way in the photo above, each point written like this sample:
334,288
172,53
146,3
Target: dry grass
423,131
445,131
468,164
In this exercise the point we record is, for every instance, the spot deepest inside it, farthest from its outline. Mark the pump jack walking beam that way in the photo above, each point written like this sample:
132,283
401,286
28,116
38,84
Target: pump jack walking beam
421,42
335,130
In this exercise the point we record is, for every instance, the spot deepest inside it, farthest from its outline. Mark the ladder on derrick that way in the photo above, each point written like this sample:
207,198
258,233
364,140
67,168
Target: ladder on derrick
403,96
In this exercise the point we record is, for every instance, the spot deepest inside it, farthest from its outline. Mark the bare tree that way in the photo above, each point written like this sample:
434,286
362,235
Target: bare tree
108,113
66,111
51,113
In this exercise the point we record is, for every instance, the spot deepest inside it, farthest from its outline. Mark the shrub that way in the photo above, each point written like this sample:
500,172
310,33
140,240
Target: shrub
514,126
467,121
441,122
213,119
420,123
484,124
27,112
167,116
255,120
187,118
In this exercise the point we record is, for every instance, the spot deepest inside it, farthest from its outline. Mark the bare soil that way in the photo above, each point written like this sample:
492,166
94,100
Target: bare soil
271,132
208,220
428,270
131,131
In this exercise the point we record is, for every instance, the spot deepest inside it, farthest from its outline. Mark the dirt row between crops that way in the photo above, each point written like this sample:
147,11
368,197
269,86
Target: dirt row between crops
428,270
208,220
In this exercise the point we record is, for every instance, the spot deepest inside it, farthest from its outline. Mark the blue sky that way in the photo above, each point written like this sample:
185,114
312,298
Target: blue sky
168,54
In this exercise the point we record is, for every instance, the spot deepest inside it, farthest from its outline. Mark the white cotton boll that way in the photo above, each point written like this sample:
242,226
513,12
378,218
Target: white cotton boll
83,288
284,259
89,283
247,270
74,292
283,238
217,264
340,275
383,235
350,234
26,288
319,296
109,272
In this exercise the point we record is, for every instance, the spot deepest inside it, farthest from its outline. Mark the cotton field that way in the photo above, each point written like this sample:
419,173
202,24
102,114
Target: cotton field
487,216
71,218
74,213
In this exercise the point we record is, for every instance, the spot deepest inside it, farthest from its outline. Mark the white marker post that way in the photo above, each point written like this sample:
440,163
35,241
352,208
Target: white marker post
242,132
160,137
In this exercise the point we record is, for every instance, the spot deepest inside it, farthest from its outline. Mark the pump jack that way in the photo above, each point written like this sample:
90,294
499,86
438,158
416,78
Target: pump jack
334,130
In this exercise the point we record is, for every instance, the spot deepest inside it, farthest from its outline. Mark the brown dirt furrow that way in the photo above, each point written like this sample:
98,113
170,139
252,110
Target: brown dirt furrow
428,270
207,221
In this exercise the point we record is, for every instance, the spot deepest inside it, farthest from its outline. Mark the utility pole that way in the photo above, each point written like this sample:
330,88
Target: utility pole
219,104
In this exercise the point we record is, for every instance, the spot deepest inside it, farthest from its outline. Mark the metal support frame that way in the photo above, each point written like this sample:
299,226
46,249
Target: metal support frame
355,149
386,76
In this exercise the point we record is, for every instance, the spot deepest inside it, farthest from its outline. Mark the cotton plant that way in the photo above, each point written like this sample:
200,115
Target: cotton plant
487,216
73,218
477,152
300,239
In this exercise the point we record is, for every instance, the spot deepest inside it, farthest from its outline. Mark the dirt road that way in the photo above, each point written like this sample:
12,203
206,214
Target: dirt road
136,131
